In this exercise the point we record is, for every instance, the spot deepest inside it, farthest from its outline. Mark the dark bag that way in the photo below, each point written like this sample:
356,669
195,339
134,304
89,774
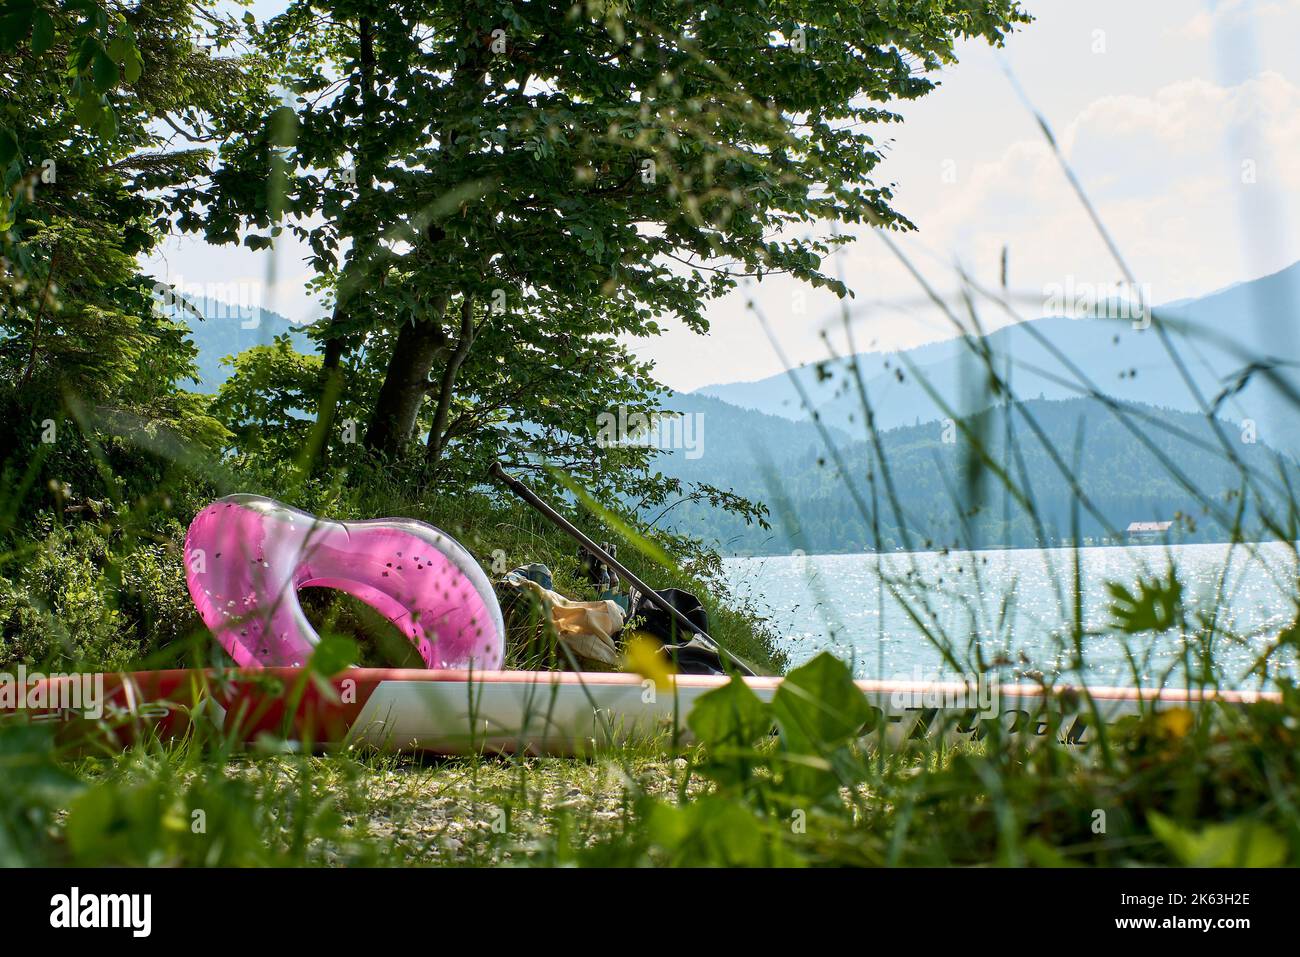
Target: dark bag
689,653
695,657
664,626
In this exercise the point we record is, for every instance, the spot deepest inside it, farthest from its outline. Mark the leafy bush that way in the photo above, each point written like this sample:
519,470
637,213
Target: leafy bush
59,610
92,597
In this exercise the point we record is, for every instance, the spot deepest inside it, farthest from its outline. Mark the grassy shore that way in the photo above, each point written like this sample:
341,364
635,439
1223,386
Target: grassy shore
106,590
1209,788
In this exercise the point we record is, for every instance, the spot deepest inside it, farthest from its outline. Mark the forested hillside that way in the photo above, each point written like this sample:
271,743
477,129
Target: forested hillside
221,332
1057,455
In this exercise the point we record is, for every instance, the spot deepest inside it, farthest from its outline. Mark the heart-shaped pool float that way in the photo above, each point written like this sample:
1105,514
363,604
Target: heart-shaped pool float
247,556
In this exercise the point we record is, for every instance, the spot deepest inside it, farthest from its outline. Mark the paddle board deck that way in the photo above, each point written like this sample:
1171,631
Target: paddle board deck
537,712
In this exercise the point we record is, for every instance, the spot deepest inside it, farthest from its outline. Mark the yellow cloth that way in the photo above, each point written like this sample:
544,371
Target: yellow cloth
587,628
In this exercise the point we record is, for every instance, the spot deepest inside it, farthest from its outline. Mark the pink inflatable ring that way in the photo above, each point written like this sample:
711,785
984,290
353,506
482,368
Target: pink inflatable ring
247,556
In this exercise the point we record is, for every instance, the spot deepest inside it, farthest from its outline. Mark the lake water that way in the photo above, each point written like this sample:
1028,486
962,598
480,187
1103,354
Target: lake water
1018,605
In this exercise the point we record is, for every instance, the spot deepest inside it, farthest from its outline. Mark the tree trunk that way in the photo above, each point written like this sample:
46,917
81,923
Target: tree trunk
447,386
406,383
419,345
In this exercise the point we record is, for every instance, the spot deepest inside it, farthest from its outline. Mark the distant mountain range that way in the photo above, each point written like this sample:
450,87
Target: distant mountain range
1230,342
1044,445
1240,348
228,330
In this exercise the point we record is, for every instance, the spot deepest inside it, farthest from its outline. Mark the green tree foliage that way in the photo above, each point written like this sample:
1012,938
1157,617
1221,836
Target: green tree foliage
499,195
268,385
89,367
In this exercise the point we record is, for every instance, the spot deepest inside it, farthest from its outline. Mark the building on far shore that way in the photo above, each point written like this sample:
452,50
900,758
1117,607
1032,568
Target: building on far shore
1148,531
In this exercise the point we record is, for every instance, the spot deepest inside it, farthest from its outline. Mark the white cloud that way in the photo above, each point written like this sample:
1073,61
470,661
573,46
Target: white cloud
1163,170
234,274
1166,175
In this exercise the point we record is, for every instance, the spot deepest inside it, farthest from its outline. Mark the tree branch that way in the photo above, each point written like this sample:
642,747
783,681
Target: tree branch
446,388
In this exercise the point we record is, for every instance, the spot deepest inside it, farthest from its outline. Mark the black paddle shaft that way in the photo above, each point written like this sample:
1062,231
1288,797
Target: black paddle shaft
648,593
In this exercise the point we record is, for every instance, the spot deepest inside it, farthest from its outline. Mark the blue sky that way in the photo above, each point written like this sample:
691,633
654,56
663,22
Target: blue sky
1181,118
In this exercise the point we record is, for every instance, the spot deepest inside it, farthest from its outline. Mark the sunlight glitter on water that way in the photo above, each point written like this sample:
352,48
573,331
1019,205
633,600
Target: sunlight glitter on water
1018,604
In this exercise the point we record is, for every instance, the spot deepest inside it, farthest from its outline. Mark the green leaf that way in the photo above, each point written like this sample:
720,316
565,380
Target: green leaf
818,710
87,109
8,146
124,52
1153,609
133,65
107,126
90,816
1236,844
334,654
42,32
711,832
85,54
16,23
116,824
818,707
104,71
730,714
